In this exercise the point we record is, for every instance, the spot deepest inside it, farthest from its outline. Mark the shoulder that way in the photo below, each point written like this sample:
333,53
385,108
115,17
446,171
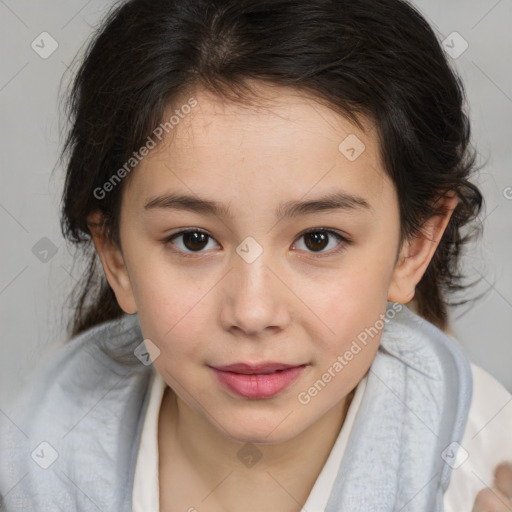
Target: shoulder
487,441
84,364
83,395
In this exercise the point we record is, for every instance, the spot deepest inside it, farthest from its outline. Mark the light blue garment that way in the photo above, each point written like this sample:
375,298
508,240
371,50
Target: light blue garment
89,409
412,415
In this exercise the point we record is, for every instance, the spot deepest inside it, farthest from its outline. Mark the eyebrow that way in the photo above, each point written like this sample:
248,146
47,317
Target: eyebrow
332,202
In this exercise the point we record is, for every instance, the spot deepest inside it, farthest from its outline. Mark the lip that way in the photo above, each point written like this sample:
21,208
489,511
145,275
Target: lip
249,369
259,381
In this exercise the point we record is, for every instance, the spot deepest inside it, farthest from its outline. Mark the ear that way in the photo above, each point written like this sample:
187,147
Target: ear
417,252
113,263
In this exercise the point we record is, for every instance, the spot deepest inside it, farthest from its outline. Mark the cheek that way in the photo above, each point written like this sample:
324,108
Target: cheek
176,325
353,299
172,308
349,313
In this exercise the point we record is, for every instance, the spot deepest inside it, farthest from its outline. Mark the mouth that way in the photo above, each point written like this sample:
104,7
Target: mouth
259,381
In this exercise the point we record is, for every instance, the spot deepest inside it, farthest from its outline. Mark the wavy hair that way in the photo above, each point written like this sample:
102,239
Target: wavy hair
377,58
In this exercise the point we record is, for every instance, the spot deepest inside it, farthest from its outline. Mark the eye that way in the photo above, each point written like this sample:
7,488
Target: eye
193,240
317,239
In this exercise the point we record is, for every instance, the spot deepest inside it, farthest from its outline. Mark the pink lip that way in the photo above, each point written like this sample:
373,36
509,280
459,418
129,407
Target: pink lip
257,381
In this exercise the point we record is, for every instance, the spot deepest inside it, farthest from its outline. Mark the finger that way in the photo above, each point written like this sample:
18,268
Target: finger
503,479
492,500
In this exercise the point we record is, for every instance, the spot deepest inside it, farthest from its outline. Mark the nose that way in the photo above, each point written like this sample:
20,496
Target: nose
256,300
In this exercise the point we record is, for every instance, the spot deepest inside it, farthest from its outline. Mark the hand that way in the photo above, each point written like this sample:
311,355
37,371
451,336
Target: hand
499,498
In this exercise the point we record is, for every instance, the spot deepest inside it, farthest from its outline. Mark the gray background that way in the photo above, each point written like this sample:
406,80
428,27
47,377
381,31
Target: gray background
33,292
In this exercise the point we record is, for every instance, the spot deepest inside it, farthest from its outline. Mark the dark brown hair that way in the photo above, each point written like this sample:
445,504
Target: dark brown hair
377,58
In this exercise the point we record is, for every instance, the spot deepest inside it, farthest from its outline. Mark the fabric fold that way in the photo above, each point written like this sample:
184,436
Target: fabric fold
71,440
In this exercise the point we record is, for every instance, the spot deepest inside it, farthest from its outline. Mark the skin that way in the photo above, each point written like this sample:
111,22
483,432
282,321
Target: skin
291,304
499,497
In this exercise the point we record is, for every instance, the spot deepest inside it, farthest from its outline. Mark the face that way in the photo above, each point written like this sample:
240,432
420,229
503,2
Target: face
260,279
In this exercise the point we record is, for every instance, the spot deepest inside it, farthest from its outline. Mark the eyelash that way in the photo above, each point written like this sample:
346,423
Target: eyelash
341,247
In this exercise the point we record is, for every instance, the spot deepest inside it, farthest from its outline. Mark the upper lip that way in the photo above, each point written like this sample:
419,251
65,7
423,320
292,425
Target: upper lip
249,369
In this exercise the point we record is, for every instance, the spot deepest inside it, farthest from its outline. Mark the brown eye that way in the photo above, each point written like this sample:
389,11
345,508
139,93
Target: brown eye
193,240
317,240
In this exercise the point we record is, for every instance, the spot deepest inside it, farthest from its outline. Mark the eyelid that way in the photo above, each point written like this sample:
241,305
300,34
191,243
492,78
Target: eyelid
343,239
167,241
325,230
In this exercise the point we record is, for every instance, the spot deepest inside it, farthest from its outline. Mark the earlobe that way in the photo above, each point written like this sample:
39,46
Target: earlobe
402,287
113,264
417,252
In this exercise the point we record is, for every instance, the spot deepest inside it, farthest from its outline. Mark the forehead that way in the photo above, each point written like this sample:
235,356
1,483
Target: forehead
282,140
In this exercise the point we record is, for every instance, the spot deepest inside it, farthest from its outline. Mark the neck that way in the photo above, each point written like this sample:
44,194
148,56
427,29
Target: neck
211,453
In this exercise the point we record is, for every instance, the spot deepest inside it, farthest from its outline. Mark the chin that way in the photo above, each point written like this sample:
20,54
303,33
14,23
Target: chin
254,430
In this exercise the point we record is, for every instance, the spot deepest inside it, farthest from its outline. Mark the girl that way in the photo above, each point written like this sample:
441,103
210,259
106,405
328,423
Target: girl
268,185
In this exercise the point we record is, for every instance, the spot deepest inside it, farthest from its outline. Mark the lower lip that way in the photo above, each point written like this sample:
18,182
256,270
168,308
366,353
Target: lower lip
258,385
